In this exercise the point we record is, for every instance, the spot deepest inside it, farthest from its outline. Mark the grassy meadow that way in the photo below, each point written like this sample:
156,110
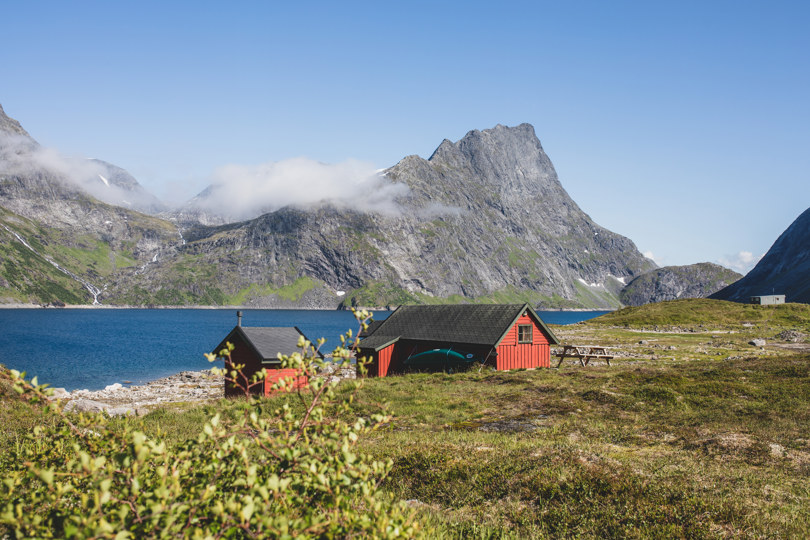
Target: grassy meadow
692,432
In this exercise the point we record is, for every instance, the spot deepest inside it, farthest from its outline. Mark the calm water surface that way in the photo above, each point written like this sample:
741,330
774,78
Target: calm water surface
92,348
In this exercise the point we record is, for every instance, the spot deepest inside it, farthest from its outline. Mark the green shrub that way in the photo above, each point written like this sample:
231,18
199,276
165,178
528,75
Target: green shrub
293,473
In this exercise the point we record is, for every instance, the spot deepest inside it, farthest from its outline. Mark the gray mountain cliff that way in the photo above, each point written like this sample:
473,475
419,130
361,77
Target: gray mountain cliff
484,219
674,282
785,268
11,126
58,241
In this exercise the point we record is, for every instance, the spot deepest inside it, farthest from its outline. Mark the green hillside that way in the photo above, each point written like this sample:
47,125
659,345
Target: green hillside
699,312
28,277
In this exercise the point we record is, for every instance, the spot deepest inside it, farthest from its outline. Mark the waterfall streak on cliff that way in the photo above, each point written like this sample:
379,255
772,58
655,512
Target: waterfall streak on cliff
95,291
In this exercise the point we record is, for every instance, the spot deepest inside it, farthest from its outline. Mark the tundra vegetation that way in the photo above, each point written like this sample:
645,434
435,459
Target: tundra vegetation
260,470
692,432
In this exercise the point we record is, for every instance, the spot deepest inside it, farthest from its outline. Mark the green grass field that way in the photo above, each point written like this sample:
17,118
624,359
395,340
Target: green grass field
692,432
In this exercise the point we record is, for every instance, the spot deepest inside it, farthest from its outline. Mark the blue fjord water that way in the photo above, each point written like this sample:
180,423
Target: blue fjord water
93,348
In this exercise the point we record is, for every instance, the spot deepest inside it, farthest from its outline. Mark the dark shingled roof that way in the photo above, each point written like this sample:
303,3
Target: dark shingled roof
268,341
372,327
480,324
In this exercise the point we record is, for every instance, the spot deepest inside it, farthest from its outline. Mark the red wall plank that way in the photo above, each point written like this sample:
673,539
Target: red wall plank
384,360
273,375
523,356
379,361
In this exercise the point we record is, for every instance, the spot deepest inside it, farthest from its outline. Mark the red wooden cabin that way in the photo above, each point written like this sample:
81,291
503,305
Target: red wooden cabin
505,336
257,348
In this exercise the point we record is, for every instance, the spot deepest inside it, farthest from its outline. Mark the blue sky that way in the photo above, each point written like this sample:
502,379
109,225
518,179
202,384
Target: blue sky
684,126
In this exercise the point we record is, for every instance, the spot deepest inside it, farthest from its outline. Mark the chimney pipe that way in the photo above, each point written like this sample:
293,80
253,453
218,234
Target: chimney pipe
238,318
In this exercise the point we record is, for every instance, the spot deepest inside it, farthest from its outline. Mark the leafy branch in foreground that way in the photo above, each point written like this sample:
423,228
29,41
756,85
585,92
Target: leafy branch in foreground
294,473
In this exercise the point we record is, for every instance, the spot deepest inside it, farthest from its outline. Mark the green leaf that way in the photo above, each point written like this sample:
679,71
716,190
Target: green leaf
247,509
46,475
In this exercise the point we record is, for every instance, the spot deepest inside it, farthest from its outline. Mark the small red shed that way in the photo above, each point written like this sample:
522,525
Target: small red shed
257,348
505,336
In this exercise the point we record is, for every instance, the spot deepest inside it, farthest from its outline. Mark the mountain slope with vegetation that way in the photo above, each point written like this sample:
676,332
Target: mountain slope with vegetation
484,219
60,243
712,313
673,282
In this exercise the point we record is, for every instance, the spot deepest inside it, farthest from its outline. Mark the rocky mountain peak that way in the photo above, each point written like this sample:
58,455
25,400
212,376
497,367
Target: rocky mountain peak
512,145
499,195
445,147
9,125
512,161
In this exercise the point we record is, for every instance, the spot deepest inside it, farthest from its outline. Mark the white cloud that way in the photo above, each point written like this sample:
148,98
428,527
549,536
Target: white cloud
741,262
244,191
649,254
20,155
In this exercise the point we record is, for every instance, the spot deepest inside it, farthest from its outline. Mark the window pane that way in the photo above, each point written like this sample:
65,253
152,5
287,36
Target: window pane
524,333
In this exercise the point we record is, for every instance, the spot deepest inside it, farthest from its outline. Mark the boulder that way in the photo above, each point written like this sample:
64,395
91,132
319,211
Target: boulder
59,393
86,405
793,336
121,411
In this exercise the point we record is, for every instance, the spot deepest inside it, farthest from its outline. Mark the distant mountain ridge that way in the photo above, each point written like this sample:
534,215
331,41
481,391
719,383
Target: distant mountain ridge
674,282
131,193
484,219
785,268
59,243
31,173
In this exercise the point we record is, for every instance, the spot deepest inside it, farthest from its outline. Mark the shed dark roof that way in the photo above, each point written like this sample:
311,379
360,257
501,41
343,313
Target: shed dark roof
372,327
480,324
267,341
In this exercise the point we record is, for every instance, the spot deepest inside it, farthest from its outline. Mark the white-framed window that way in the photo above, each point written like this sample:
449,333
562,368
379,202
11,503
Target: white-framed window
524,333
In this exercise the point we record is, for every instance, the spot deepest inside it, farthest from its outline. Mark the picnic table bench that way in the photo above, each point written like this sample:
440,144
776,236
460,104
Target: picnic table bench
585,353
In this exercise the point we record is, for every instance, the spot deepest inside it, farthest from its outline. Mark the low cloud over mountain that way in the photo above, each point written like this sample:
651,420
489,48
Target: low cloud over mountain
22,157
247,191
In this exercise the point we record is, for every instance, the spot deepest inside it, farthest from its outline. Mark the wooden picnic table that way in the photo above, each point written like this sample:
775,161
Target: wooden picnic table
585,353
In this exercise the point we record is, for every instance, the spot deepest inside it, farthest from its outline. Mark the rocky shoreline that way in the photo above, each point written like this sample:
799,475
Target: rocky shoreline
184,387
117,399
